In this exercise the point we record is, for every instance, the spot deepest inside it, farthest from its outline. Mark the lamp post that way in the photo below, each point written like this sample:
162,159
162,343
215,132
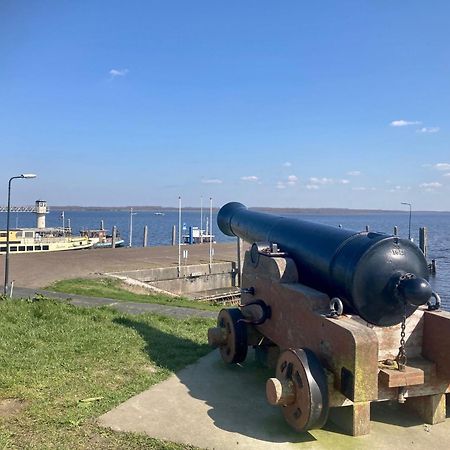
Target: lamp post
409,224
24,175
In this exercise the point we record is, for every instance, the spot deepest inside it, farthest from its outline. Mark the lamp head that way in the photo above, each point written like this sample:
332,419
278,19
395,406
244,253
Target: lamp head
28,175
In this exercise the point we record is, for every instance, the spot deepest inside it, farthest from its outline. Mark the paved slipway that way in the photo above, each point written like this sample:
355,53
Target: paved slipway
38,270
33,271
209,404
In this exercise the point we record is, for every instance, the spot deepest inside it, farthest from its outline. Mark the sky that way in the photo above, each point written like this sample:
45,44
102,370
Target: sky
284,104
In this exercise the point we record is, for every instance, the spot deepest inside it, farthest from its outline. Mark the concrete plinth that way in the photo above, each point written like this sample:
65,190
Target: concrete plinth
210,405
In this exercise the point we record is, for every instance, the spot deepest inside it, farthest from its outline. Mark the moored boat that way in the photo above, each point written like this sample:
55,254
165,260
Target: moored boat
100,238
30,240
41,238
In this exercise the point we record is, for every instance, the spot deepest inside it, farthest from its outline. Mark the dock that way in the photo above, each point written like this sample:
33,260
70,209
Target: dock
38,270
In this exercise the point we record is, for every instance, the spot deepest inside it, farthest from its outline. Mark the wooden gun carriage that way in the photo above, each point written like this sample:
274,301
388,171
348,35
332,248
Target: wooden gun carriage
346,320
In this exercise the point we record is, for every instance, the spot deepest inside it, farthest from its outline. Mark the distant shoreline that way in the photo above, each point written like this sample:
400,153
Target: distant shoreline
315,211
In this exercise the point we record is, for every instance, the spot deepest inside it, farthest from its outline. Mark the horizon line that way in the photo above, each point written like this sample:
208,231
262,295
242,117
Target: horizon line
261,208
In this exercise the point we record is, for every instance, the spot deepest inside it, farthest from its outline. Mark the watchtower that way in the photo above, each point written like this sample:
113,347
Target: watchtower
41,211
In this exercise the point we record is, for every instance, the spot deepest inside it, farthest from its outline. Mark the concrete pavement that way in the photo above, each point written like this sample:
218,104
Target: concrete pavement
211,405
37,270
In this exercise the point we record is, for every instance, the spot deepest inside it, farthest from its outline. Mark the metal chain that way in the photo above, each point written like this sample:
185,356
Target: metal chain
401,357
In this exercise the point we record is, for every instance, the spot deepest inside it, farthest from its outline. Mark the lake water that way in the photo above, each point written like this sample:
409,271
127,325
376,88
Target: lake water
160,230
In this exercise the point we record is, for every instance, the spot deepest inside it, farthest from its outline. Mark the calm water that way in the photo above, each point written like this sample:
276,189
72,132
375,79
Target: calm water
160,230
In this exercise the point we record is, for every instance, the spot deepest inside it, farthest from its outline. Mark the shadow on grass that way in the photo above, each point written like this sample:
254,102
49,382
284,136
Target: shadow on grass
166,350
235,394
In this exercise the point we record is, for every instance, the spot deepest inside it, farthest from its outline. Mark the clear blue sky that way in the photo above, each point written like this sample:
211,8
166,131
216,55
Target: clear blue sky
293,103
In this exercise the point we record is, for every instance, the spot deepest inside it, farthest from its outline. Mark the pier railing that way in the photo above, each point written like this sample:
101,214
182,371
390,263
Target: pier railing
20,209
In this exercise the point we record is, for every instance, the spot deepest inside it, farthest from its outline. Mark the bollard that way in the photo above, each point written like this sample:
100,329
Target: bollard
395,230
144,243
114,236
102,225
423,240
174,235
433,266
367,228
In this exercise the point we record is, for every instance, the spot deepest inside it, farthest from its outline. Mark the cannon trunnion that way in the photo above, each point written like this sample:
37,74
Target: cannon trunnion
328,358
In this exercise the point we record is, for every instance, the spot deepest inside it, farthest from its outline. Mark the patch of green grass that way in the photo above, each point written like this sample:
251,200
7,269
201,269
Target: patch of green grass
114,288
54,355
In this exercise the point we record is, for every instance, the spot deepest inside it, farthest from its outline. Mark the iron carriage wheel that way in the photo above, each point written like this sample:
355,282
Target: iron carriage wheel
234,347
300,388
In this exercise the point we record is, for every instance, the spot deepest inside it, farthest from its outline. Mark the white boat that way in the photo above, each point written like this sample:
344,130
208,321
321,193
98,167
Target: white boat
41,238
100,238
30,240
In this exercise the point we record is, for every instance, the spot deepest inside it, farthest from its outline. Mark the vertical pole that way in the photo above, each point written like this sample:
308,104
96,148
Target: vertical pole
102,225
367,228
210,233
239,261
409,223
201,220
131,227
144,244
179,236
5,287
63,224
69,226
174,234
114,235
423,240
395,230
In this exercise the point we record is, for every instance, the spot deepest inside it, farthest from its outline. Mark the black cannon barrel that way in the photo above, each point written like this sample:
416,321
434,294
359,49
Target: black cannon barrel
375,274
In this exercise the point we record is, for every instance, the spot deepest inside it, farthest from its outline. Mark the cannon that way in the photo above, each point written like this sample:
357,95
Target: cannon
346,318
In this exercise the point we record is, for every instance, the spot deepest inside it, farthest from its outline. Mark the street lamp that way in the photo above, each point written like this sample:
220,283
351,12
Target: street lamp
409,226
24,175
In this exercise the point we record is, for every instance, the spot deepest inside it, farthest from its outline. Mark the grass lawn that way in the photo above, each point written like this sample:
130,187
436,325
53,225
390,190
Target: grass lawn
62,366
114,288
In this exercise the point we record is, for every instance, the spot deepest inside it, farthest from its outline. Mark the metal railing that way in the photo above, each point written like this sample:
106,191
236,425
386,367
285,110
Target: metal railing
22,209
